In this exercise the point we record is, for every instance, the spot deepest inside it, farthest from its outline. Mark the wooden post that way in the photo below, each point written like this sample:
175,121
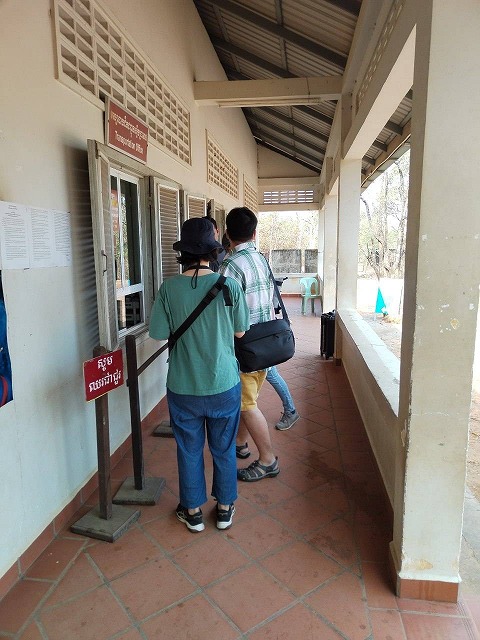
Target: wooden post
107,522
103,450
137,490
133,392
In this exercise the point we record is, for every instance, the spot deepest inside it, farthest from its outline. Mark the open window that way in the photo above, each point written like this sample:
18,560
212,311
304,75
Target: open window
135,219
128,249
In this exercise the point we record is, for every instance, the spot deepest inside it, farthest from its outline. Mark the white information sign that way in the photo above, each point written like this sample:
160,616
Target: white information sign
31,237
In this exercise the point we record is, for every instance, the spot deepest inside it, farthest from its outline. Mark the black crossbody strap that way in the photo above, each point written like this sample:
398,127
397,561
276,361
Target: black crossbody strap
217,287
277,291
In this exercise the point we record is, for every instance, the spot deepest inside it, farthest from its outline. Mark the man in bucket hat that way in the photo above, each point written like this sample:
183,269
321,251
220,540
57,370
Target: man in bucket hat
203,383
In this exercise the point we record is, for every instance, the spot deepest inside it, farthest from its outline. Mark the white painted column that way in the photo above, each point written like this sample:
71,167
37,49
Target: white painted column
330,251
441,300
348,229
321,243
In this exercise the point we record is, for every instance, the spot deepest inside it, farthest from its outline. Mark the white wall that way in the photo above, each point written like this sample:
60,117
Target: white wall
47,434
274,165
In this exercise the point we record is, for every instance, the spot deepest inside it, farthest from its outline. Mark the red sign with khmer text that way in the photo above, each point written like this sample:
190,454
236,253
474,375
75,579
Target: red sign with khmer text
103,374
125,132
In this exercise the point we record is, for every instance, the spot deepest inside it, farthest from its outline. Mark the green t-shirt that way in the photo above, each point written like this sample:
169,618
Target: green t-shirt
203,360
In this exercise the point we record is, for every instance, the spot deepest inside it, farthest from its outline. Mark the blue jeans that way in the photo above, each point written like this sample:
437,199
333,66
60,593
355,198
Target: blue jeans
281,387
220,414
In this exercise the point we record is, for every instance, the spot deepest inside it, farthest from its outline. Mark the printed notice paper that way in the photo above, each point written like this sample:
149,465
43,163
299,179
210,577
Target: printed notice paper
31,237
13,236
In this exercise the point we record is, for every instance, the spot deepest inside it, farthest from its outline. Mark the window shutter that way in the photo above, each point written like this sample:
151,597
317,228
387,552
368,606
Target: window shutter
168,213
220,216
99,172
196,207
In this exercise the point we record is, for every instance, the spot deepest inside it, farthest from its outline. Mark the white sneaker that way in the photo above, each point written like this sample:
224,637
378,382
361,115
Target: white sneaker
225,518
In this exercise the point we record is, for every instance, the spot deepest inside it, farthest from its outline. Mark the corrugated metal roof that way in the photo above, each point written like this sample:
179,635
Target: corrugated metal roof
258,39
320,21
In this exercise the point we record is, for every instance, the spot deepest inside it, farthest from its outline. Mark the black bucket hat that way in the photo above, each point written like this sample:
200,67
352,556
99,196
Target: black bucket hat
197,237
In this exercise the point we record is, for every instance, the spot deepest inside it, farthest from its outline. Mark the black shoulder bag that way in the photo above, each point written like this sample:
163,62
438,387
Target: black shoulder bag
217,287
267,343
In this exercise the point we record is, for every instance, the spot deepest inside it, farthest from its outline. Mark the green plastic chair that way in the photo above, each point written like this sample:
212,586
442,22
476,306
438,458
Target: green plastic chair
309,290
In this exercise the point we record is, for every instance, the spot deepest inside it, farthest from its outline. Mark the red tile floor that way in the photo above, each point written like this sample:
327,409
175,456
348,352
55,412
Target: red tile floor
306,557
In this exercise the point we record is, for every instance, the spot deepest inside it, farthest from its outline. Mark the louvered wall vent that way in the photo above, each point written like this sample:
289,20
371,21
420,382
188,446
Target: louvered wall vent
250,196
96,59
220,169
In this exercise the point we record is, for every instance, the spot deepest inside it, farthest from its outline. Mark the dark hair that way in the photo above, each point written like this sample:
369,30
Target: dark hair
186,258
213,221
241,224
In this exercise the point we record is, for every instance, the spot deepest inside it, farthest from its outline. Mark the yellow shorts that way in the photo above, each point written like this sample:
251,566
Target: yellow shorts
251,385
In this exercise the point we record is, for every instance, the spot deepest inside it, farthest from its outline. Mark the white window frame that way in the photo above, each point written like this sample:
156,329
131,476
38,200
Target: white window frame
135,288
102,161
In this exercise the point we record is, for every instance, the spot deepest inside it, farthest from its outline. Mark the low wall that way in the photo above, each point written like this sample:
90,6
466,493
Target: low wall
374,375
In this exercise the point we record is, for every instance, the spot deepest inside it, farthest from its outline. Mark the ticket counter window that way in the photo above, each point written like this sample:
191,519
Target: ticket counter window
135,221
127,247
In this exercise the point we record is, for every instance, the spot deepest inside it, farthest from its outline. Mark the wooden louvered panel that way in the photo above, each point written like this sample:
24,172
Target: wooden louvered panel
99,175
197,207
168,200
220,216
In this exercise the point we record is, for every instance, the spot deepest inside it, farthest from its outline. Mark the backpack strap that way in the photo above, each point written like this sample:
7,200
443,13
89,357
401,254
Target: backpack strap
226,295
217,287
277,292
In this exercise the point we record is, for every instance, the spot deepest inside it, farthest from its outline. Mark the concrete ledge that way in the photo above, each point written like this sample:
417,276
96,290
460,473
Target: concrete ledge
374,375
383,365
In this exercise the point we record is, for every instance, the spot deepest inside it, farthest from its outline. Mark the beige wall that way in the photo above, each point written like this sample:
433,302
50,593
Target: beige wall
47,434
273,165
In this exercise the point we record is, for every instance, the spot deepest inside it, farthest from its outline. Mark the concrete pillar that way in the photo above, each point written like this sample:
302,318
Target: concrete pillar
321,242
348,229
330,250
442,277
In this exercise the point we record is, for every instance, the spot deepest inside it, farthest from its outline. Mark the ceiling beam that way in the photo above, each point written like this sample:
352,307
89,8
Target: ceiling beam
269,91
336,58
262,122
291,122
218,43
313,113
233,73
315,160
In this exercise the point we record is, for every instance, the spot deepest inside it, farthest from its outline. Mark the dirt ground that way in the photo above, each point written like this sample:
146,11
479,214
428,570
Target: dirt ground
389,330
